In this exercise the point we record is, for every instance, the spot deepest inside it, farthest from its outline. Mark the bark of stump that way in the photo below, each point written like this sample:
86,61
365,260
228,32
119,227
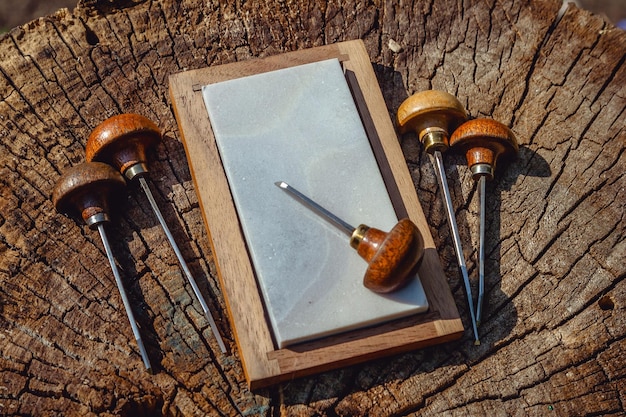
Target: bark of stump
553,334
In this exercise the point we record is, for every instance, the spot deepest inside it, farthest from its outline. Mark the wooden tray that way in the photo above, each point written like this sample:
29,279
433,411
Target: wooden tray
263,363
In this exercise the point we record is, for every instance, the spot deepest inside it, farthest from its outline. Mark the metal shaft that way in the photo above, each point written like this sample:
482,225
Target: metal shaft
456,238
316,208
481,249
181,260
120,287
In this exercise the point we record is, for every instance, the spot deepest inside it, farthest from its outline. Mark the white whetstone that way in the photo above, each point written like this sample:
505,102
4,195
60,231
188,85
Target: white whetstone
301,125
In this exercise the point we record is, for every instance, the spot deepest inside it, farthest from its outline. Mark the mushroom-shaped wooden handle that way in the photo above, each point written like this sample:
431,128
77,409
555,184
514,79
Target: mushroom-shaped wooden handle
432,114
122,141
484,141
86,190
391,256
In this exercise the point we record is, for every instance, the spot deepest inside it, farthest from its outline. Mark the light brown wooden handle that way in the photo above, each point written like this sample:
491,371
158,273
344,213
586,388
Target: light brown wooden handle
86,190
391,256
432,114
122,141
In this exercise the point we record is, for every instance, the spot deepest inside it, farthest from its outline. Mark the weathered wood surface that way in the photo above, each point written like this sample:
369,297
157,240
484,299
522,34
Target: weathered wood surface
553,339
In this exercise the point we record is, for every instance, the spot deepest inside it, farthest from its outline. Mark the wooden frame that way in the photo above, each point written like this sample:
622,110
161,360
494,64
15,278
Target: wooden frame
263,363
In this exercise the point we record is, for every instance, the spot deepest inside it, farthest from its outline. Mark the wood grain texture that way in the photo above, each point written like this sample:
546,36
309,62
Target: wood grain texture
392,256
122,141
484,141
87,190
553,336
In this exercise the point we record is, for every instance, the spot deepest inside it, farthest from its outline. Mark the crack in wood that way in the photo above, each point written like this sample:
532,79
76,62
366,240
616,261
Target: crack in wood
560,86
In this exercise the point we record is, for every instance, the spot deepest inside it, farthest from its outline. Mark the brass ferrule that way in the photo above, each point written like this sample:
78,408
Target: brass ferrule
357,235
434,139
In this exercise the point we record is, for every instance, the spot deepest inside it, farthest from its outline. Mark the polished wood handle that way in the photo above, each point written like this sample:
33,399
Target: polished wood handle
392,256
86,190
123,141
484,141
433,115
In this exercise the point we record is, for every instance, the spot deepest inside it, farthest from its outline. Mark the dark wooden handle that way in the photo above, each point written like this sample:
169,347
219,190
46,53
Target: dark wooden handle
86,189
122,140
391,256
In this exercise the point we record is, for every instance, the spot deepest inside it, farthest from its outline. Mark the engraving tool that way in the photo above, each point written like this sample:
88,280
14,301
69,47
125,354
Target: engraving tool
123,141
483,141
391,256
433,115
87,189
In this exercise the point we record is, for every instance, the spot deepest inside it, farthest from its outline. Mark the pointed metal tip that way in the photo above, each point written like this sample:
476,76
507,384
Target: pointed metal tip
144,355
281,184
476,342
219,339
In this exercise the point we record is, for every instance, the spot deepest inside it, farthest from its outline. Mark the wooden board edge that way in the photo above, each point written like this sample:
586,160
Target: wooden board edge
291,361
375,115
252,339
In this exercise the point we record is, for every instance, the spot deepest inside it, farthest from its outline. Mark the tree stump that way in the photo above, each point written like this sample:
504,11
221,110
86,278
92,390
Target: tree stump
553,334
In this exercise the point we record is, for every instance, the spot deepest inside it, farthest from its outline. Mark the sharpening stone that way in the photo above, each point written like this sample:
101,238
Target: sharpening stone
300,125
